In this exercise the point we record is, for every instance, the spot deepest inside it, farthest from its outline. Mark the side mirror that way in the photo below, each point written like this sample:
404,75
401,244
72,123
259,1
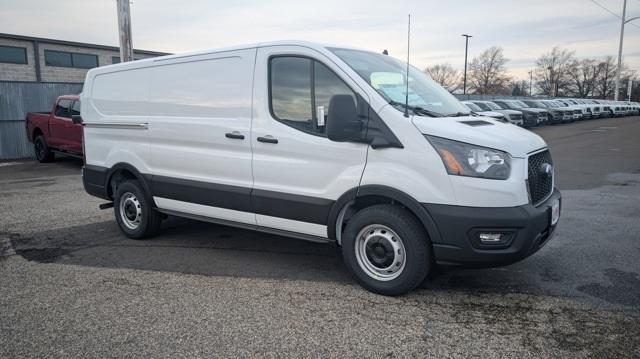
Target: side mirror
76,119
343,123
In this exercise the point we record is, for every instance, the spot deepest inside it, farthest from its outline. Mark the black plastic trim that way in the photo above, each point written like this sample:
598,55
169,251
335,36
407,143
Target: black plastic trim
204,193
270,203
388,192
456,224
94,180
296,207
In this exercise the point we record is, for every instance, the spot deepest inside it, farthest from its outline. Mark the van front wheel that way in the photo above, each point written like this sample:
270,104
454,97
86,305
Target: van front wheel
387,249
135,215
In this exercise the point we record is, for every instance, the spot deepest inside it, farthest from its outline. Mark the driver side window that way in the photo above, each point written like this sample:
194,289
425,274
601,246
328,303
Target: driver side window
300,92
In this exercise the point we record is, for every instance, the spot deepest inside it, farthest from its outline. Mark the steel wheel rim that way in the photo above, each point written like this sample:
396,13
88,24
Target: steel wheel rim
380,252
130,210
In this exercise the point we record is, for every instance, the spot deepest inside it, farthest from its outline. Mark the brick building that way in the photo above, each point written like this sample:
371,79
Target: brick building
34,59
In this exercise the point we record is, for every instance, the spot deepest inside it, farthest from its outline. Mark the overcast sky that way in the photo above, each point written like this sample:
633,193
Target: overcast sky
525,29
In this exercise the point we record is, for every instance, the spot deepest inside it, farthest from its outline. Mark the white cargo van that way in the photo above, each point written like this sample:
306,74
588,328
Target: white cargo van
315,142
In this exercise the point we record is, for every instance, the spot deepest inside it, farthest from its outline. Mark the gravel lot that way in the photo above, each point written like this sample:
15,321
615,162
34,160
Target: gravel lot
72,286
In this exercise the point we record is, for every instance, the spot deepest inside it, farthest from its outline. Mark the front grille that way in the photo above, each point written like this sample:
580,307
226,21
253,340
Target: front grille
516,117
540,183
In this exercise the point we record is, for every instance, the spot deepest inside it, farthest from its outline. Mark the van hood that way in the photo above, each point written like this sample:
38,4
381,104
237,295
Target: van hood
534,109
491,114
511,112
481,131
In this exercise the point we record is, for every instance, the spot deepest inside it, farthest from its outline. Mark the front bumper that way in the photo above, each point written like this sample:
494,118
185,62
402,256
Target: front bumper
530,225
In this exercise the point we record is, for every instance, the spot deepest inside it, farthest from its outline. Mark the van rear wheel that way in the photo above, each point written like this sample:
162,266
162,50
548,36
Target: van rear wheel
134,213
387,249
42,150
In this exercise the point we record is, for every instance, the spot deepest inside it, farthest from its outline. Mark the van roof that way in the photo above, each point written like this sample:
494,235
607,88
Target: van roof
313,45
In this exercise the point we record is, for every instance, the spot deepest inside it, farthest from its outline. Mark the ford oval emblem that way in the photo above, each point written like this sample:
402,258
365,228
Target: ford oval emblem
546,169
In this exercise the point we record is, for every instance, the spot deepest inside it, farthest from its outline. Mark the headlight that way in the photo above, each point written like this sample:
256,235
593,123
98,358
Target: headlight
463,159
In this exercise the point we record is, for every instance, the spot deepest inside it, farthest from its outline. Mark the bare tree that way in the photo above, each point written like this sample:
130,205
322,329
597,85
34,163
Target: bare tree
519,87
551,73
487,72
606,76
581,77
445,75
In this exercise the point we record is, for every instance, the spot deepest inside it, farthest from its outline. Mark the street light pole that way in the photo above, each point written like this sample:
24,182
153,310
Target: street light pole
624,13
466,49
531,83
550,68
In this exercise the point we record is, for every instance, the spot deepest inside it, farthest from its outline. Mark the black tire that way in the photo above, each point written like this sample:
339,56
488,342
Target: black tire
42,150
412,236
145,222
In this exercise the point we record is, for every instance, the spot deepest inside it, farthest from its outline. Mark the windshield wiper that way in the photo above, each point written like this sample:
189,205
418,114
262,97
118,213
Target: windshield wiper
417,109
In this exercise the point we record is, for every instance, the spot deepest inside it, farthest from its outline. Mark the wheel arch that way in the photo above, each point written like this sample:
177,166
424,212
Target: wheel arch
124,171
36,131
367,195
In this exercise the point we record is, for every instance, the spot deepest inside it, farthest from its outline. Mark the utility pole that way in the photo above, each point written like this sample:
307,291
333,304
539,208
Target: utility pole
531,83
124,31
466,49
623,22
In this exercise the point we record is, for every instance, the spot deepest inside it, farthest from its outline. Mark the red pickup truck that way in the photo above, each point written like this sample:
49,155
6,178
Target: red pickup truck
57,131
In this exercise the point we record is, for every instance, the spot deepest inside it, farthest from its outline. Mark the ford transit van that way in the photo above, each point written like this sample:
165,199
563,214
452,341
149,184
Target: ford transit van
321,143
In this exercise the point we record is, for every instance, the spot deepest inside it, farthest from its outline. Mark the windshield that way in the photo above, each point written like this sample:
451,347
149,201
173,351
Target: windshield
551,104
535,103
492,105
388,77
483,106
521,104
472,106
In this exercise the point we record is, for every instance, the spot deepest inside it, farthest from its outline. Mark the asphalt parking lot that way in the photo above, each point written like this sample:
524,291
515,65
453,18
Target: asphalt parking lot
71,285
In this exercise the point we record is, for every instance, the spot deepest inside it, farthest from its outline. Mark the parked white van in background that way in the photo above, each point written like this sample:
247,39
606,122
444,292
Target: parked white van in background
315,142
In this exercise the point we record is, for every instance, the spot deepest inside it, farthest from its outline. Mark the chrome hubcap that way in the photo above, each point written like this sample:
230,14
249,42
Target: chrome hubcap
130,210
380,252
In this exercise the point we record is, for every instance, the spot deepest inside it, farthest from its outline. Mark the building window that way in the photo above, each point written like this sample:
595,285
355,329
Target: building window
13,55
70,59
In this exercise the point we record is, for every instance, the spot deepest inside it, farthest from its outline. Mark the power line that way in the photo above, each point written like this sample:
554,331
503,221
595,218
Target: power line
612,13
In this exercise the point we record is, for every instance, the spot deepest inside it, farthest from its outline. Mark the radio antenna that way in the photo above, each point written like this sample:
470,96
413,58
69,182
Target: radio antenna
406,94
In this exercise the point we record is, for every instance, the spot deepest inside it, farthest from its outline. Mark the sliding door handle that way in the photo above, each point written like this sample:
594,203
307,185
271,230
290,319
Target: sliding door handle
267,139
234,135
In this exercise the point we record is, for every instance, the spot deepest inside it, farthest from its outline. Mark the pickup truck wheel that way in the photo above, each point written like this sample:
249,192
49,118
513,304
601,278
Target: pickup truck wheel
386,249
134,213
42,150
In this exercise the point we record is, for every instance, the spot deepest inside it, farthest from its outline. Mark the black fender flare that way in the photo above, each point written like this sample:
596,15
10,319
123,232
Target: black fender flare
144,180
383,191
